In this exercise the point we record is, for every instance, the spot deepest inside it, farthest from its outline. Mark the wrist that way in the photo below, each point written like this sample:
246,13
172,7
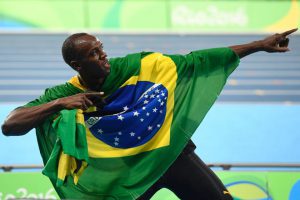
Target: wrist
58,104
258,45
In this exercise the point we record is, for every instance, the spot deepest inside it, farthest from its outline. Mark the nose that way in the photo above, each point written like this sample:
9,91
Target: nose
103,55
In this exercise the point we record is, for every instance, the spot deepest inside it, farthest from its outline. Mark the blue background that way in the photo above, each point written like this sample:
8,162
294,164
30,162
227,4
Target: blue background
230,133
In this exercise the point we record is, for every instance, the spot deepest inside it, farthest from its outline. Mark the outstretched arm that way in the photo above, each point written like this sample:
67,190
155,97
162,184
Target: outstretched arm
275,43
22,120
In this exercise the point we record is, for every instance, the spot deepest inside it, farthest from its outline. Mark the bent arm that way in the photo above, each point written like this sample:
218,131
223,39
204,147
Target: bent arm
22,120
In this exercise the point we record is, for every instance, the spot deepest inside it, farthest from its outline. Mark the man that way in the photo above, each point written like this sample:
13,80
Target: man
80,124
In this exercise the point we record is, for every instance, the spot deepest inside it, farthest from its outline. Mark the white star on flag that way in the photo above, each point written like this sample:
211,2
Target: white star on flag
136,113
132,134
120,117
100,131
125,108
138,123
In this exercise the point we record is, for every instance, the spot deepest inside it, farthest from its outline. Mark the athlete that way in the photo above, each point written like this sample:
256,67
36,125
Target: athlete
188,177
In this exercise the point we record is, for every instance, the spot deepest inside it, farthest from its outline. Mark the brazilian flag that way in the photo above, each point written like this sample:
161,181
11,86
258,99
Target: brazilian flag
155,102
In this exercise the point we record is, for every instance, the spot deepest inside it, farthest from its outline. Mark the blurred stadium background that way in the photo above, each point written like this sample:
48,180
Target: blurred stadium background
250,137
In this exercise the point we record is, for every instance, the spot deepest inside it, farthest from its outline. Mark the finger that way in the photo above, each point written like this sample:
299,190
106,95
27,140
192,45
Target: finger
88,102
93,94
286,33
284,43
280,49
84,106
98,101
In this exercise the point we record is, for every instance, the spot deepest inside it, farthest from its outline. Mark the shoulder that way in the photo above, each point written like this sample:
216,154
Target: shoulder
54,92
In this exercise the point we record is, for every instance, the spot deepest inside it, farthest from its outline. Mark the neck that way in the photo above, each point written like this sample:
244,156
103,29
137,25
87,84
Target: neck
82,82
91,84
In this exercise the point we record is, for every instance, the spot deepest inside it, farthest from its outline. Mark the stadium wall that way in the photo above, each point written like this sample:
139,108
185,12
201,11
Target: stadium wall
222,16
242,185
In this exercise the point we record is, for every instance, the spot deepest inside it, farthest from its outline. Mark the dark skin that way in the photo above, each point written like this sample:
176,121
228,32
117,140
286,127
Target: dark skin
92,64
93,67
275,43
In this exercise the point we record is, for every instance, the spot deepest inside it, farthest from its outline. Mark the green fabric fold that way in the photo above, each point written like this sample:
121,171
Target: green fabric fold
71,139
201,77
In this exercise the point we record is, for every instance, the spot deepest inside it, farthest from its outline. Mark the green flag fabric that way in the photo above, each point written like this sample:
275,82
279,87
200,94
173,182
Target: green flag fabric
155,104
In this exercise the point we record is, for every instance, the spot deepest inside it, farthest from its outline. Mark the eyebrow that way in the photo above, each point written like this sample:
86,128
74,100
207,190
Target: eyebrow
96,47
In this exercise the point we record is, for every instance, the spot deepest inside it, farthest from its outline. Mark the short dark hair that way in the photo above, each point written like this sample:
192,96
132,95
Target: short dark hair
68,49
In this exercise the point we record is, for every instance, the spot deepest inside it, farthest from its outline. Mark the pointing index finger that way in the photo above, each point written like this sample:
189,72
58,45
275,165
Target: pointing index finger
97,98
286,33
92,94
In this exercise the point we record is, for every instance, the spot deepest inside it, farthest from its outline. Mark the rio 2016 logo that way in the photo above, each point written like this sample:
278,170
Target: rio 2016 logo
23,193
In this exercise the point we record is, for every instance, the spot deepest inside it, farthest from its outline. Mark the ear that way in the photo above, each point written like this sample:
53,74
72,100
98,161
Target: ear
75,65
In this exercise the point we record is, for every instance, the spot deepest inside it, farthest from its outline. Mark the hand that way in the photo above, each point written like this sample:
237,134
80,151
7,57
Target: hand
82,101
277,42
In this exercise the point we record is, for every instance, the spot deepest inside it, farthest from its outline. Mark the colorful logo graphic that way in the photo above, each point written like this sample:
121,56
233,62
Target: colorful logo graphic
248,190
295,191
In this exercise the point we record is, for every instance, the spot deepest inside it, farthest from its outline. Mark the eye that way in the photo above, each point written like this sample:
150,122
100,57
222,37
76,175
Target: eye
94,52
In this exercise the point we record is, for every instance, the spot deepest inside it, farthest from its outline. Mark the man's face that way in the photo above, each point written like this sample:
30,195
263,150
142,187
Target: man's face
92,61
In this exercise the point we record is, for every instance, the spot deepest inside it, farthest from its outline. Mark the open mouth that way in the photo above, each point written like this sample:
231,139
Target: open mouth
107,66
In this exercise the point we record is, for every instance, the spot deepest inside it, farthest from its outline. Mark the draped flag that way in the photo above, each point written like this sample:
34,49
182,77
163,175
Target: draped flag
139,112
155,102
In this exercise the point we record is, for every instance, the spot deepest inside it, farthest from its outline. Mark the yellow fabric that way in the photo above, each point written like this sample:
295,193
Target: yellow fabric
75,81
158,69
77,175
63,166
67,166
155,68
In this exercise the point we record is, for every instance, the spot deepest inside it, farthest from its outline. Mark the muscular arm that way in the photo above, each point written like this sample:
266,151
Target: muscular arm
22,120
274,43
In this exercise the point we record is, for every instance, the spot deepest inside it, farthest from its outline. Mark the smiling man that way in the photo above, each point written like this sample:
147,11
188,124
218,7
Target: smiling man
85,54
121,128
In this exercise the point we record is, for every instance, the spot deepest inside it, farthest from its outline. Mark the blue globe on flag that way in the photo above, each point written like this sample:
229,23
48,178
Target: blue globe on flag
132,116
